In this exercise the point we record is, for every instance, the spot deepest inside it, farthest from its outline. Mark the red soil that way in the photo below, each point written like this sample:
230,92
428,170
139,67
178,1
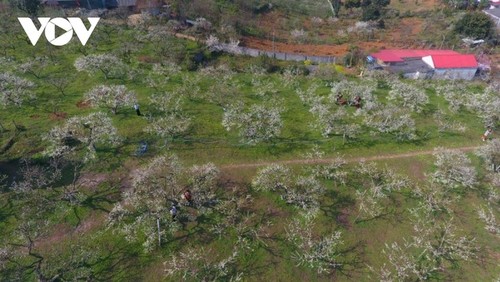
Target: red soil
58,116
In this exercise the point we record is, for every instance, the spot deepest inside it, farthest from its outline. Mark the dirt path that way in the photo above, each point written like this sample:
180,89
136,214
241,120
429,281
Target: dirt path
313,50
349,160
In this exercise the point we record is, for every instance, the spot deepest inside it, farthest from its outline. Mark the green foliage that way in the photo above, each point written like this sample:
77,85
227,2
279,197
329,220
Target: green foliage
475,24
336,4
349,4
31,7
370,13
483,4
381,3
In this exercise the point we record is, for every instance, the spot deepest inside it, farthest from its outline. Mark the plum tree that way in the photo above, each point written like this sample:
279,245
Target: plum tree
260,123
423,255
146,204
111,97
408,96
87,131
453,169
321,253
14,90
490,153
107,64
393,121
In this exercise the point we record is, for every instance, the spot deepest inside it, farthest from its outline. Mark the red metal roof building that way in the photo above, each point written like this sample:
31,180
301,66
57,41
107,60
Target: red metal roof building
398,55
428,63
452,61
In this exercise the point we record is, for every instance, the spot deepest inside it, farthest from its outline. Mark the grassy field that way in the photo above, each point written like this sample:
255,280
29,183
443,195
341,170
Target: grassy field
74,240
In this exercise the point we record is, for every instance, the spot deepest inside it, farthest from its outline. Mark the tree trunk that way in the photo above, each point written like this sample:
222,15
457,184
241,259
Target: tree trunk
159,237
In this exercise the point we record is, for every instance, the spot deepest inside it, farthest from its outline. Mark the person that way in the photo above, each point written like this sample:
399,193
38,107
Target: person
340,100
187,196
136,108
357,102
485,135
173,212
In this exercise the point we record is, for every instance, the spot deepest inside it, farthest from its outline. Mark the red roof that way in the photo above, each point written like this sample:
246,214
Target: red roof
397,55
454,61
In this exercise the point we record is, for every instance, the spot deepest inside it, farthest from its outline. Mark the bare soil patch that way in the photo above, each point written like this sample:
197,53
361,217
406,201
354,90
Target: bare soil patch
91,223
58,116
82,104
60,232
92,180
309,49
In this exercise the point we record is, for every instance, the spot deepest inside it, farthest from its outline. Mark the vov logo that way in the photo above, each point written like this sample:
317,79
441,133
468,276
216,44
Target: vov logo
49,26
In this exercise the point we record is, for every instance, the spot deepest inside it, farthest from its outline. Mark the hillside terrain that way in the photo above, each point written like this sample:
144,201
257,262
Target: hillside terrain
145,156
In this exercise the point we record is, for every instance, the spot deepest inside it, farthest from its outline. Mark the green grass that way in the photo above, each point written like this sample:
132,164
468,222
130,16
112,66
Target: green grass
120,260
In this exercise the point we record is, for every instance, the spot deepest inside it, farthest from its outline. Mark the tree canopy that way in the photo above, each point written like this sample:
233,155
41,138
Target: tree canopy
475,24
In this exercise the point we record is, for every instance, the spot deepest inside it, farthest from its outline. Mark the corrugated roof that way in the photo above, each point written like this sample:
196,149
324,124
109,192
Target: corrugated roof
493,12
454,61
397,55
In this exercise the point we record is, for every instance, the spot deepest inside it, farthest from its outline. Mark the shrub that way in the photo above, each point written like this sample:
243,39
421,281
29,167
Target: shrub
476,25
370,13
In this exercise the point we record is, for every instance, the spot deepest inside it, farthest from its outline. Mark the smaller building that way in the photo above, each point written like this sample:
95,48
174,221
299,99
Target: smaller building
397,56
452,66
428,63
412,68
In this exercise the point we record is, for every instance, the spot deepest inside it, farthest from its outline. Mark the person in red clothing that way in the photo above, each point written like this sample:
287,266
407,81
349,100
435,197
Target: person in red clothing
340,100
188,196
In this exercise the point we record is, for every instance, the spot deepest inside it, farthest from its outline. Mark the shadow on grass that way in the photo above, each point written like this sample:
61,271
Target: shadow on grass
118,262
339,202
352,262
100,199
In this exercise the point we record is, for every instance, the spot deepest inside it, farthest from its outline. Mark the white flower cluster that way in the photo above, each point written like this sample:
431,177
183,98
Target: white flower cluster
111,97
109,65
259,123
320,253
81,130
14,90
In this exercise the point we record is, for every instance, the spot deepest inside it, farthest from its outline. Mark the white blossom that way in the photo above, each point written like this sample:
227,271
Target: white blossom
408,96
394,121
14,90
109,65
153,188
204,265
453,169
487,216
490,153
321,253
272,178
169,126
111,97
258,124
95,128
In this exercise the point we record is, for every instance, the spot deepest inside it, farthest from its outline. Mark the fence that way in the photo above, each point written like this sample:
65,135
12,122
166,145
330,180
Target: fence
237,50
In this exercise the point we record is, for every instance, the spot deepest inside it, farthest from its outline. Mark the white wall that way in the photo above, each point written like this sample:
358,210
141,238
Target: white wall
466,74
428,60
